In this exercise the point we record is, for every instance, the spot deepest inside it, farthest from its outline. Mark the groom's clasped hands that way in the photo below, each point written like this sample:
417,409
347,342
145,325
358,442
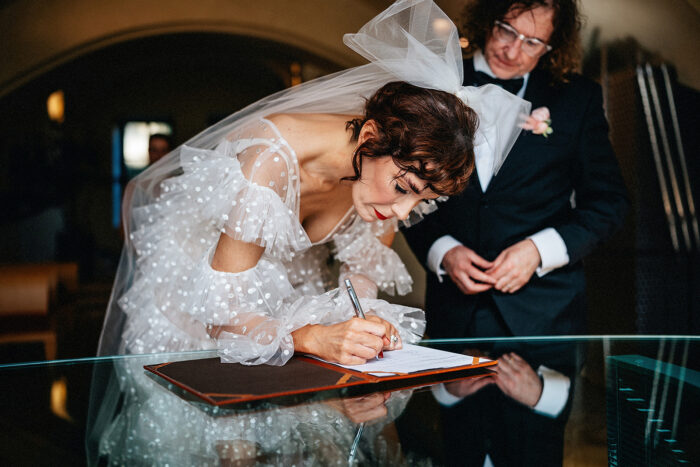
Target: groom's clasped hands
507,273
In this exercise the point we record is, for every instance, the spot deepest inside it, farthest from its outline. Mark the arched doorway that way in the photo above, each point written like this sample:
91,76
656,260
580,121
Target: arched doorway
57,179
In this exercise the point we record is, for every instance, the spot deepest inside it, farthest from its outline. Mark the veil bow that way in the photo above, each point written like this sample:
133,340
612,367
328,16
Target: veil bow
416,42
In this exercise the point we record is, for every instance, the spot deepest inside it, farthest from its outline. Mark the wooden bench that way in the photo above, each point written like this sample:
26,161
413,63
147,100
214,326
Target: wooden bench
27,294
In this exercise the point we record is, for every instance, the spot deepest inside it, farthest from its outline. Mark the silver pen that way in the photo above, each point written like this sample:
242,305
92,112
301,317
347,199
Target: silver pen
355,301
358,309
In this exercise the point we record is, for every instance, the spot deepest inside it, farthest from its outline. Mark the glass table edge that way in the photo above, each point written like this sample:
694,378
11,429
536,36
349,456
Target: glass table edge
457,341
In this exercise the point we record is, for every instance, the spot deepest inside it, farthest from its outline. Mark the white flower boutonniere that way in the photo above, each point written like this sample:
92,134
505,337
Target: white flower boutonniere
539,122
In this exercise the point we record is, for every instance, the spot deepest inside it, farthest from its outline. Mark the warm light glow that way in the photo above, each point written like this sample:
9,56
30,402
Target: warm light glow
442,26
136,136
55,106
59,399
463,42
295,73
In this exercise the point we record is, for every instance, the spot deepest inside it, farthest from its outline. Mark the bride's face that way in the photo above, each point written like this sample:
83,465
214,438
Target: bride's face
385,191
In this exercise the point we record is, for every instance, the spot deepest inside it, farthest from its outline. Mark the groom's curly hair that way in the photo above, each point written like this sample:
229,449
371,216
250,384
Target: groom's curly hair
564,58
425,131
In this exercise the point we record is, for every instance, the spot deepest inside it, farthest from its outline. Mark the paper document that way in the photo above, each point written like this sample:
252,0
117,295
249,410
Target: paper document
412,359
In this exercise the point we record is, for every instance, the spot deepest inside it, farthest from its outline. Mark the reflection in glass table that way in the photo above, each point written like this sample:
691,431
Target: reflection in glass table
585,400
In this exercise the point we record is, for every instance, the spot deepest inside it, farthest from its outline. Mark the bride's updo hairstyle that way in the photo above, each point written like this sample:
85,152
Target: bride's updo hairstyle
427,132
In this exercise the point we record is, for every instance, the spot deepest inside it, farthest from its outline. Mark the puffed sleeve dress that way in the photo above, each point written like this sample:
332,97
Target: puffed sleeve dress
247,187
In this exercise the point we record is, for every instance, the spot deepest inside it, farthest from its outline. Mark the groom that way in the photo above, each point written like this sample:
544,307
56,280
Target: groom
507,253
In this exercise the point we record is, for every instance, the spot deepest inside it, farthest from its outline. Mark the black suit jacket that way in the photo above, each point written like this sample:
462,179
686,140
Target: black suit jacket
489,422
532,191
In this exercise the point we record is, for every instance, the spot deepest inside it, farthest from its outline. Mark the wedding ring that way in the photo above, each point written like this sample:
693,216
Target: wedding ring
394,339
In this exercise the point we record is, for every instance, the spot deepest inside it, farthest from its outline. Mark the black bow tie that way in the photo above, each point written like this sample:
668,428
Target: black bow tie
510,85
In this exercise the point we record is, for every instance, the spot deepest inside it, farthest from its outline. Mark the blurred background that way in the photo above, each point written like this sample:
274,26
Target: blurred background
84,84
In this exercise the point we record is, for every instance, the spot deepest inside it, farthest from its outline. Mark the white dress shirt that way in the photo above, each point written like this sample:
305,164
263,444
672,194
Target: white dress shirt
549,244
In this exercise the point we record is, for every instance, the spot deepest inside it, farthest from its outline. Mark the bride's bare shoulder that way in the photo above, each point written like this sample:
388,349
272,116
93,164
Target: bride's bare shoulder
303,121
309,130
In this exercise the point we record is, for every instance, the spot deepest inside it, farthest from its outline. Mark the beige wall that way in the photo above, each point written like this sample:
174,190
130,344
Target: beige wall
670,28
38,35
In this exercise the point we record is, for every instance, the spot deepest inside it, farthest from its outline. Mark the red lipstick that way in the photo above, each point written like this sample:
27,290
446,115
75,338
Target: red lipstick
379,215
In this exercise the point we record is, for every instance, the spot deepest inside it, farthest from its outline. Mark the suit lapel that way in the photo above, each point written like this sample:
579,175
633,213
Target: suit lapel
537,93
537,89
468,65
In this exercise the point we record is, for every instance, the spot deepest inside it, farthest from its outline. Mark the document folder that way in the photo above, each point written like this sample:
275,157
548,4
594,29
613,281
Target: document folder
229,383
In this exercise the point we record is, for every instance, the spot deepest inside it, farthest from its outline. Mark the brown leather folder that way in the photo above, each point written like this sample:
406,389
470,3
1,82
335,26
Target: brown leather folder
228,383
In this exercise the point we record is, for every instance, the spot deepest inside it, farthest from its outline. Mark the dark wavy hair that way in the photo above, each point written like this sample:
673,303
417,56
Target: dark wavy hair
426,132
565,56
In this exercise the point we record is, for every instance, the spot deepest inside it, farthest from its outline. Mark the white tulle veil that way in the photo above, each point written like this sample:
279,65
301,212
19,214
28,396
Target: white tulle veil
412,41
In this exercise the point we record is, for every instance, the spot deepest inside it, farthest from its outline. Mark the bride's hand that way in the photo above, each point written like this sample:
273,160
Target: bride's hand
351,342
362,409
390,331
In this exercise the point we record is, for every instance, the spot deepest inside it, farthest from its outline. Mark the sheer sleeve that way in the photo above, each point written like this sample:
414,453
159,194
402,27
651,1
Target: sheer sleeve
370,265
261,207
361,252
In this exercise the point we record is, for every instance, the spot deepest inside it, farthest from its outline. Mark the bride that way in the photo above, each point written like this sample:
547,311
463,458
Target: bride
228,238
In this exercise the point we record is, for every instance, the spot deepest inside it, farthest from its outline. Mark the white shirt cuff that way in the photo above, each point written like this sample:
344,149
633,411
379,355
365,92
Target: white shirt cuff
552,249
437,252
442,395
555,392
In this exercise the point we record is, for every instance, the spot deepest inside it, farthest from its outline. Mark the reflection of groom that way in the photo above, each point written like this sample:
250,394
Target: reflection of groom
500,422
512,244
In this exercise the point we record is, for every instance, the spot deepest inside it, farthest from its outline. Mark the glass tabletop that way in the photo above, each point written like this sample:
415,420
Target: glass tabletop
597,400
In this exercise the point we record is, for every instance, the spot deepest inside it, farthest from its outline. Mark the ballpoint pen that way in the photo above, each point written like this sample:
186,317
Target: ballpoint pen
358,309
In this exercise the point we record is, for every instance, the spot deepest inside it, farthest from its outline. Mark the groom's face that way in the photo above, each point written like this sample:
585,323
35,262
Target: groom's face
508,60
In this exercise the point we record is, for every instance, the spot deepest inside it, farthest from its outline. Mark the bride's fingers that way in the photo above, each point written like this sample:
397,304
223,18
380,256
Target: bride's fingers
394,339
391,338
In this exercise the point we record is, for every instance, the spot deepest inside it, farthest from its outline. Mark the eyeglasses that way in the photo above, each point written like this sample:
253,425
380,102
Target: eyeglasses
507,34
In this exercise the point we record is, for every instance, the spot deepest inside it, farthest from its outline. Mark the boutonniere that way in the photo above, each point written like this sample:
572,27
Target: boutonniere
539,122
